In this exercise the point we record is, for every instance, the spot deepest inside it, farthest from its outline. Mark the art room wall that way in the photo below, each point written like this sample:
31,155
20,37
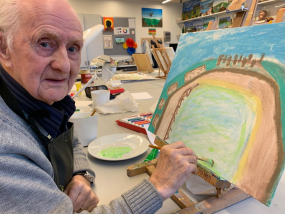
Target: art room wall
171,12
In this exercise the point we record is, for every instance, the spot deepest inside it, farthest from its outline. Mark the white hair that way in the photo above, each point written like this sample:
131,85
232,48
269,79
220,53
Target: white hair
9,20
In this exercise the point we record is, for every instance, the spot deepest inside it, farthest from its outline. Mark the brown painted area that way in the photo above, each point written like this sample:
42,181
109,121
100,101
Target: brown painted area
266,155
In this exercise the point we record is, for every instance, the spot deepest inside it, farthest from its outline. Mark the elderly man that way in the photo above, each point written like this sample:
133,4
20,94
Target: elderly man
43,167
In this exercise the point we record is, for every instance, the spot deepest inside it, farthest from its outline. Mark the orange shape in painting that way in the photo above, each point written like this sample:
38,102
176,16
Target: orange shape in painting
135,45
108,23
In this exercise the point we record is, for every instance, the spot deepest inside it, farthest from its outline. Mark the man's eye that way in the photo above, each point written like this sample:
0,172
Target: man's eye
72,49
45,44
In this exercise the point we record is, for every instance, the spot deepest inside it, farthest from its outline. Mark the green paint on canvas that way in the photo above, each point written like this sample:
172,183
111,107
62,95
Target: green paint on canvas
114,152
218,122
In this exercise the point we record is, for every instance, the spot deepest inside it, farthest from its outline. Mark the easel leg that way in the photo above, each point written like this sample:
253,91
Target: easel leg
215,204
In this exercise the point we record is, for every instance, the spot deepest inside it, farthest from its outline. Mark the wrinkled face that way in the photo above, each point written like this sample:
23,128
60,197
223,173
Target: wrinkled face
46,55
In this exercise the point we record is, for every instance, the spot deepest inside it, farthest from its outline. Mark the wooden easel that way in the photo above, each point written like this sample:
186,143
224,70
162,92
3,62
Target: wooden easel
223,199
163,60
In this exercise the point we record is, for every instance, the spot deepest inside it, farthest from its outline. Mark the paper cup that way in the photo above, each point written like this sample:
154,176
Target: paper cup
85,127
100,97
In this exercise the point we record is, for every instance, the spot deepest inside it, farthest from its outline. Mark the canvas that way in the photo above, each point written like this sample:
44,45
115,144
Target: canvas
151,17
220,5
224,22
206,7
224,98
206,22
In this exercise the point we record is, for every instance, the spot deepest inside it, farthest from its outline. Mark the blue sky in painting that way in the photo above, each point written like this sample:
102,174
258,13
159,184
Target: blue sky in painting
196,47
157,13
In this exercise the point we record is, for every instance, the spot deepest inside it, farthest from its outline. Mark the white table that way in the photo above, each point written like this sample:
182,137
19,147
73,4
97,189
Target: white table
111,177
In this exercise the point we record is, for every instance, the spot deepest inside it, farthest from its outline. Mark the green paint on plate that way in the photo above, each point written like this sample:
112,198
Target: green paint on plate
114,152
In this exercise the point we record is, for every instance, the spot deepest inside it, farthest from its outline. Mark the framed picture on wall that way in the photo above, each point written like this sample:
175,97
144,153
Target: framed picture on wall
108,41
151,17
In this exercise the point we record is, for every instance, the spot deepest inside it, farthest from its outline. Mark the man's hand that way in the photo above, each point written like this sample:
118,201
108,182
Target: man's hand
81,194
175,164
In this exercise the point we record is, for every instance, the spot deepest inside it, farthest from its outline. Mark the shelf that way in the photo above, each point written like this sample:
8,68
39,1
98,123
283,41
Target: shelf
270,2
202,17
215,14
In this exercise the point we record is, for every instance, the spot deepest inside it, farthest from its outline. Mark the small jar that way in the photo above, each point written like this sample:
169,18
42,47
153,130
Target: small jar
85,76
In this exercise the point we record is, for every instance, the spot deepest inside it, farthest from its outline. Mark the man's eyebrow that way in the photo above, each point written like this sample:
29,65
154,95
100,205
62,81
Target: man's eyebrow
54,35
48,33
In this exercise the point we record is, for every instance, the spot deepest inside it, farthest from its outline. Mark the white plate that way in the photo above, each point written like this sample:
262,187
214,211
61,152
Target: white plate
136,144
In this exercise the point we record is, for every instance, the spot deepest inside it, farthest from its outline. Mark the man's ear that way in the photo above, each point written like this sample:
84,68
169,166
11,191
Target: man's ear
5,57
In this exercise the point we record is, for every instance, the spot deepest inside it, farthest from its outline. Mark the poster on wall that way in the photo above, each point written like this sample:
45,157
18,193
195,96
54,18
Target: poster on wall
121,31
108,41
108,23
151,17
151,31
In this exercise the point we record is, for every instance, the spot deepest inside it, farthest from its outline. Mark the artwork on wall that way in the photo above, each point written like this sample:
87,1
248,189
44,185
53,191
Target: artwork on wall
227,104
224,22
121,31
220,5
107,41
151,31
108,23
151,17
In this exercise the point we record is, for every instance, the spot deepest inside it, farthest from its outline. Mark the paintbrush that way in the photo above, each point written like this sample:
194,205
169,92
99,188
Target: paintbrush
93,112
207,160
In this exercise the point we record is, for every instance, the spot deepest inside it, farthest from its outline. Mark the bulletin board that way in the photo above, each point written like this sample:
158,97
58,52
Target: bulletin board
118,48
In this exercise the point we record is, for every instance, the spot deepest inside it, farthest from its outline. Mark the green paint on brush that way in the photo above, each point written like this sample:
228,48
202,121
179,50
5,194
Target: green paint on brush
114,152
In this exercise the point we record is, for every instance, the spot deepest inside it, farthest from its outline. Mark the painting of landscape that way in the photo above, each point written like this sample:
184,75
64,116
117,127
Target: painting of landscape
224,98
220,5
198,24
191,9
206,7
224,22
206,22
151,17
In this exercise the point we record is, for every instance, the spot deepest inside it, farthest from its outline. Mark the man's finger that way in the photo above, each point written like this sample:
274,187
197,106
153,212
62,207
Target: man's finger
79,202
74,194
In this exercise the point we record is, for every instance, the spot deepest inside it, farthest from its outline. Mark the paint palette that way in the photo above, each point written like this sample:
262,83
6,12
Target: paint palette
118,147
136,122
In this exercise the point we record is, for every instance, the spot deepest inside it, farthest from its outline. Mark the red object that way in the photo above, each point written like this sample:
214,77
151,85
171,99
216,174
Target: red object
72,94
116,91
85,78
130,42
123,122
135,45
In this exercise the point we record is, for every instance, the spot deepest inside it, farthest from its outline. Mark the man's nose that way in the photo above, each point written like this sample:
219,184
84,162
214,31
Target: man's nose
61,61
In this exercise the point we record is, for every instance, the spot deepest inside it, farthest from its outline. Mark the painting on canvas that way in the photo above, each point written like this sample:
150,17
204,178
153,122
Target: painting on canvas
206,22
206,7
151,17
223,98
220,5
224,22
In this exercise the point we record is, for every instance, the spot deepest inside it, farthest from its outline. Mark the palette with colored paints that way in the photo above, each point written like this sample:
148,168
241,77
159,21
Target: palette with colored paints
118,147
